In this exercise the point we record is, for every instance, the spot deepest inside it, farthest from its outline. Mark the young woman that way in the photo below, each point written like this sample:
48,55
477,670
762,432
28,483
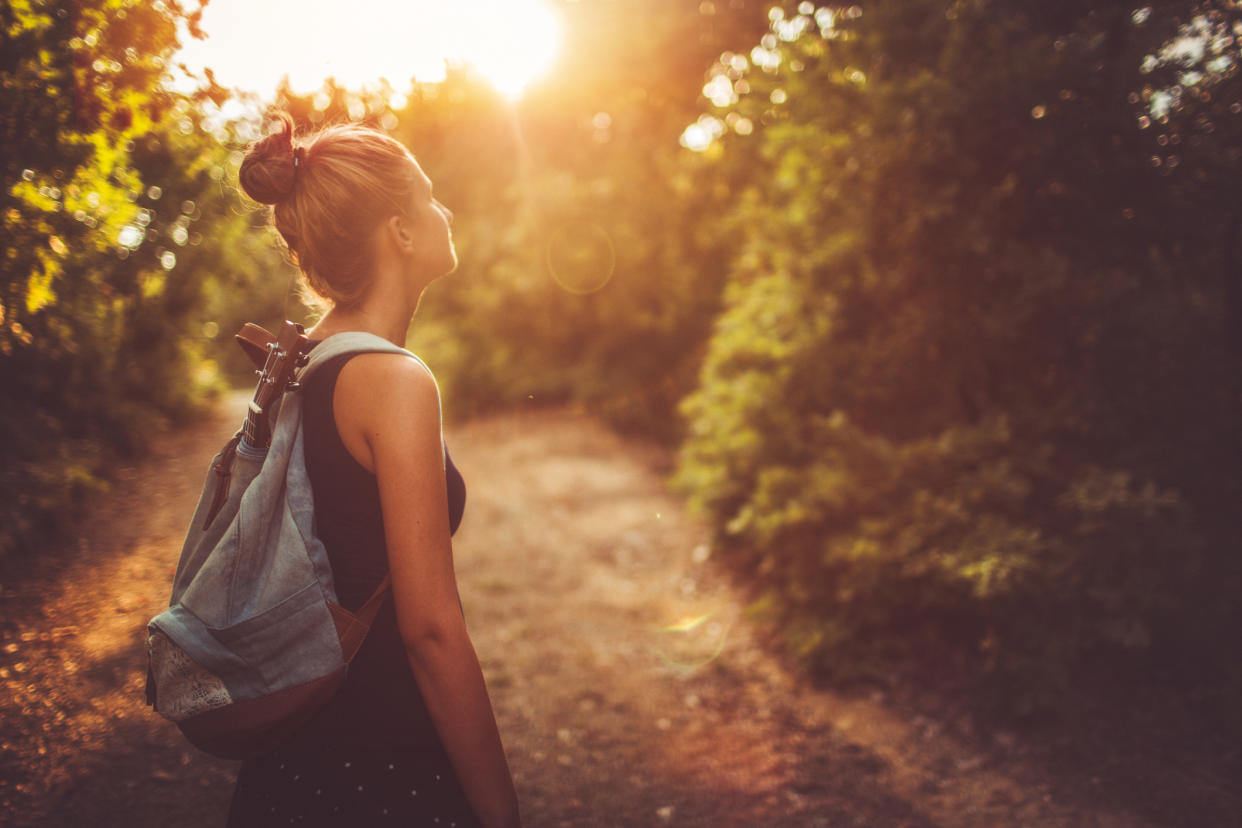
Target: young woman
411,738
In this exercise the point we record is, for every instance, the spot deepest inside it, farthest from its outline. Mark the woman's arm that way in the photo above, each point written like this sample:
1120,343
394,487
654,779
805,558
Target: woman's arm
391,404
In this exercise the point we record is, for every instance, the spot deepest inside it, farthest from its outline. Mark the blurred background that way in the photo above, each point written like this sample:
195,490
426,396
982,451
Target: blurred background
938,302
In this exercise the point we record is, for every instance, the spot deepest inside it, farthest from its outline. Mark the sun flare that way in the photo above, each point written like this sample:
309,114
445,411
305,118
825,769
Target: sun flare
517,43
252,46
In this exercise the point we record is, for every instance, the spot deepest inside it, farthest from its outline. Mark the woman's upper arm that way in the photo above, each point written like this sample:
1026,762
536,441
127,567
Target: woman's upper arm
392,403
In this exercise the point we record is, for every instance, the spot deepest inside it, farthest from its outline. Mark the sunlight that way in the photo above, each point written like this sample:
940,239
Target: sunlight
252,46
518,44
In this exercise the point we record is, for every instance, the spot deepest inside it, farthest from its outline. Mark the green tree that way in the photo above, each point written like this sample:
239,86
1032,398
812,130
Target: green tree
965,402
115,219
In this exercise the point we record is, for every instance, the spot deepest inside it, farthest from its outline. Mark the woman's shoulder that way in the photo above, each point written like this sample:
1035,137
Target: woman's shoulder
385,405
384,386
384,368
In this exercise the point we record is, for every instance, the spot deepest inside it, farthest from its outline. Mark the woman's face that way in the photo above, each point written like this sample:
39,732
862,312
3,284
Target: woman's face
431,222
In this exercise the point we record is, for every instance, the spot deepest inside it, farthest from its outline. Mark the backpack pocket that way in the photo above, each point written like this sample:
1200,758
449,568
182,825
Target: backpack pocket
293,642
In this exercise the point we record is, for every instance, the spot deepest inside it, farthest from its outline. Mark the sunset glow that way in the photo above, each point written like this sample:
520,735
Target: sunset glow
252,46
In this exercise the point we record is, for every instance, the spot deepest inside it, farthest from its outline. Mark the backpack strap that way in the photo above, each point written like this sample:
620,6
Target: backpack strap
370,609
350,342
353,627
353,631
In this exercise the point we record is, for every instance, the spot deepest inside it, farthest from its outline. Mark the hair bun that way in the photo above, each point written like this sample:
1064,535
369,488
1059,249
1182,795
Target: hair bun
267,172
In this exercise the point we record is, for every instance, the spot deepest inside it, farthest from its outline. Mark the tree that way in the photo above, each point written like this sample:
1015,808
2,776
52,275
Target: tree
963,404
115,222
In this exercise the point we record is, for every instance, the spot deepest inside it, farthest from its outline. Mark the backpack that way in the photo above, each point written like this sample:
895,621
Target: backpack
253,641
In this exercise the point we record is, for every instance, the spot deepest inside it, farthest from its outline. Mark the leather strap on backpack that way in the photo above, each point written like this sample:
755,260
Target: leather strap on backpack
352,627
367,612
224,472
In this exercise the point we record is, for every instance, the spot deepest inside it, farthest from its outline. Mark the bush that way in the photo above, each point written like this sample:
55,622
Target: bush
938,424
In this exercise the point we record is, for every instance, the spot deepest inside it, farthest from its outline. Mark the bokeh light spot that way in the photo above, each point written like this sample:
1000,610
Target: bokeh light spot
129,236
699,136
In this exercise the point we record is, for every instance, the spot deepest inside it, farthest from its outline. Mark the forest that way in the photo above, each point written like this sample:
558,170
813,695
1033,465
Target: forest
938,302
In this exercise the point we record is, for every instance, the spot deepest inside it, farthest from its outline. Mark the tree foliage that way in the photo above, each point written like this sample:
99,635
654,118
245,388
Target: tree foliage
972,390
115,217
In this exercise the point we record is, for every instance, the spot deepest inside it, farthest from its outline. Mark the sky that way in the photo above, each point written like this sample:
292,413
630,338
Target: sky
252,44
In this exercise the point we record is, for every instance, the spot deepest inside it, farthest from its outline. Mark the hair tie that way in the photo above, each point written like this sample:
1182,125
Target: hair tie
298,155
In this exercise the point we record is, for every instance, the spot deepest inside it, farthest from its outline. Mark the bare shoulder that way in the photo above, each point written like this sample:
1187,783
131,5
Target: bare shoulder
378,377
382,399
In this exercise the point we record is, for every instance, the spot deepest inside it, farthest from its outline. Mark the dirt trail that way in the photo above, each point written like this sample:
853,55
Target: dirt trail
629,688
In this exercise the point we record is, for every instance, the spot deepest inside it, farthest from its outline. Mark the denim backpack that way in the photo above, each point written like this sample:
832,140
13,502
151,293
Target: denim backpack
253,640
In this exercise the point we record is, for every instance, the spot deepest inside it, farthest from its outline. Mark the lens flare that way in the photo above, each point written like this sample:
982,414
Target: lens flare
693,642
688,624
581,257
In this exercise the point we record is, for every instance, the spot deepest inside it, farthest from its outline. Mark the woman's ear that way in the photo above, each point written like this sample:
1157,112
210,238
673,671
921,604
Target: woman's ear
398,231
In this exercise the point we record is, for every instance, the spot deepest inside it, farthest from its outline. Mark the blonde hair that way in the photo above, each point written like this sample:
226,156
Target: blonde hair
329,191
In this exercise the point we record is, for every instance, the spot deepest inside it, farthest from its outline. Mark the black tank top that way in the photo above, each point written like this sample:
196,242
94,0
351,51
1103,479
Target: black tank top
380,704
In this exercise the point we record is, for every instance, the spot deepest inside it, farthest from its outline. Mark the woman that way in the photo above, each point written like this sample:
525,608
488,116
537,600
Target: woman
411,738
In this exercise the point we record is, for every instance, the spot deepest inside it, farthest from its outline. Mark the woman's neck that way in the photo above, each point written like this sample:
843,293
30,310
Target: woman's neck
338,320
386,311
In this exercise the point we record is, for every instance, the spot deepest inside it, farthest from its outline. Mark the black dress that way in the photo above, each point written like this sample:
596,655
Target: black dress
371,757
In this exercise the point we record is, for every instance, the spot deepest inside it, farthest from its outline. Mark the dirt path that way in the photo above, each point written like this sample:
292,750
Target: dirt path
629,688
